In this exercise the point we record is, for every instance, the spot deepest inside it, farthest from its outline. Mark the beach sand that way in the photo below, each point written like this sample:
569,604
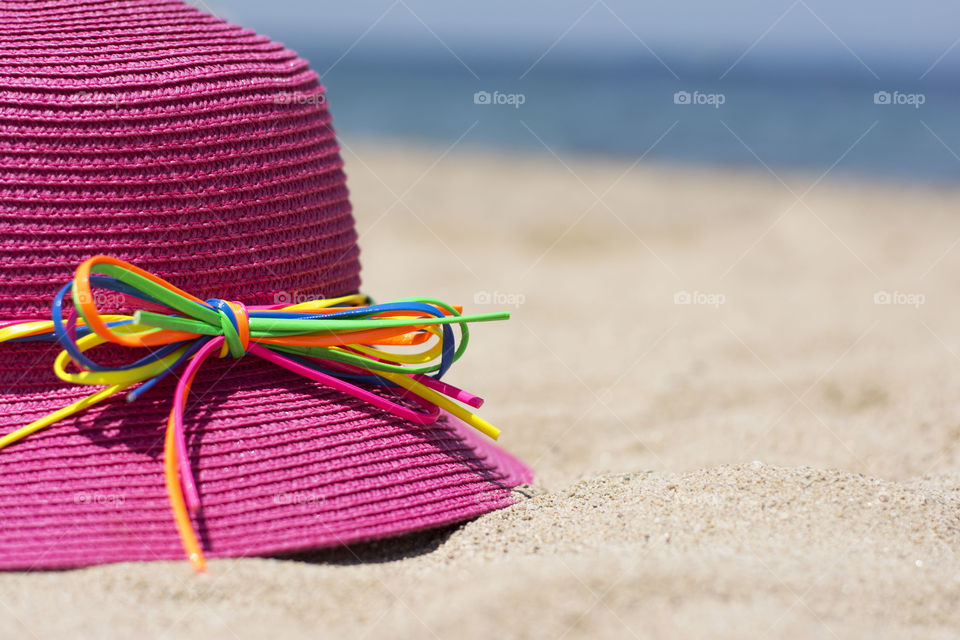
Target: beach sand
778,458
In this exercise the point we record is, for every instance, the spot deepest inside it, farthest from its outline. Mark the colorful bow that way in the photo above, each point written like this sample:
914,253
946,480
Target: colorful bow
333,341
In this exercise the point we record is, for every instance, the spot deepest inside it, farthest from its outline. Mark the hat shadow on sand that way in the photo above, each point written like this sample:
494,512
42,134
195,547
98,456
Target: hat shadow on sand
410,545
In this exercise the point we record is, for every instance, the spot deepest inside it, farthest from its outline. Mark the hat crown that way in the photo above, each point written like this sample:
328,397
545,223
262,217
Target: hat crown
154,132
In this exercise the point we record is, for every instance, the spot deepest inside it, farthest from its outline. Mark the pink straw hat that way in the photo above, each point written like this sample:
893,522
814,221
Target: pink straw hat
203,153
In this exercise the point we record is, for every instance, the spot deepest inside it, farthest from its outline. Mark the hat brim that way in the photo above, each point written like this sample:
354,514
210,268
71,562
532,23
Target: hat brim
281,463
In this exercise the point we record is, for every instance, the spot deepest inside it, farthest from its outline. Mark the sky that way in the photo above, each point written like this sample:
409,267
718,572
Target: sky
878,31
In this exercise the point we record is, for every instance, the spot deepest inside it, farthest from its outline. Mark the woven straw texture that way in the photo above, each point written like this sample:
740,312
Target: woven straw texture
203,152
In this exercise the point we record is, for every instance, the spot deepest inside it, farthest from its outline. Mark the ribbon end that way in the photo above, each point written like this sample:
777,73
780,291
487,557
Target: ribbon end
198,562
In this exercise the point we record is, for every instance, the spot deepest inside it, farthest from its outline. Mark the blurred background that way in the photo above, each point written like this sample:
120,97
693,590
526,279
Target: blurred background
866,85
726,232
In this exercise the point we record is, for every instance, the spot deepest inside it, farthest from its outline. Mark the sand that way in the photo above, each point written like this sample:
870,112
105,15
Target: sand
779,458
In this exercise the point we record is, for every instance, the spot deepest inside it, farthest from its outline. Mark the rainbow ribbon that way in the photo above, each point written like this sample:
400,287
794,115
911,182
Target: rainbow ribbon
334,341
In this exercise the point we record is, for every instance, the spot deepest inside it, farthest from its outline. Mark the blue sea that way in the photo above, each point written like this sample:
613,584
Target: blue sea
777,115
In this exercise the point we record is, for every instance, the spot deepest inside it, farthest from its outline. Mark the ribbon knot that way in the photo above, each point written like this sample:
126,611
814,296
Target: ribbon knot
234,325
343,343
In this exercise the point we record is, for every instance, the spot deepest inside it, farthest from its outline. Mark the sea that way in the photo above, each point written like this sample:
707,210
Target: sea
895,120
